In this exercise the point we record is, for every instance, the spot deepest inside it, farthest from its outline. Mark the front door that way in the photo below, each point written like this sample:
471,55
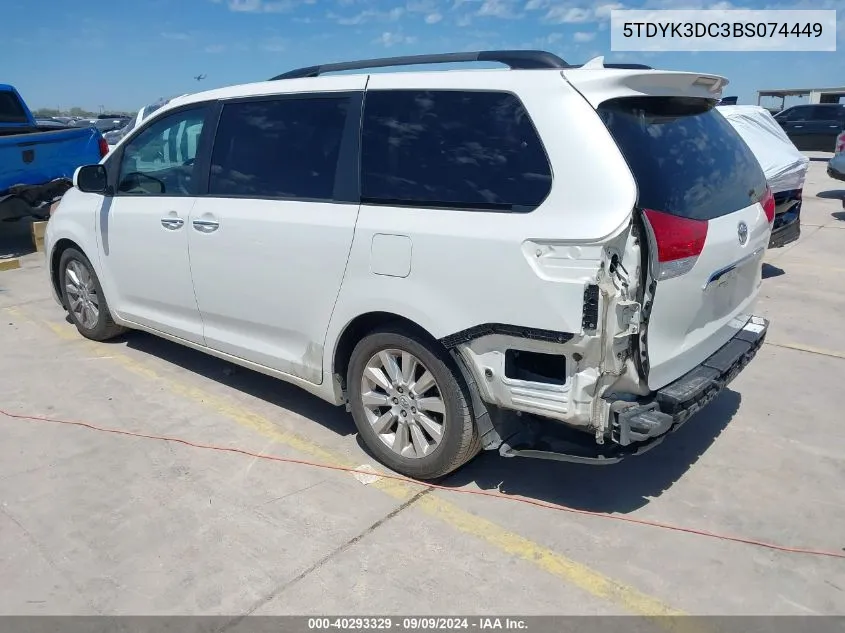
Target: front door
797,124
143,227
270,240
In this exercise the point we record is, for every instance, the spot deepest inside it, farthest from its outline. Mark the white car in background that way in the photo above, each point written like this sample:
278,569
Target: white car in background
784,165
547,260
114,137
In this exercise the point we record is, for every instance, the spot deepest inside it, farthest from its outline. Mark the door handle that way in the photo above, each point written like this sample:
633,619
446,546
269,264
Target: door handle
797,126
206,226
172,223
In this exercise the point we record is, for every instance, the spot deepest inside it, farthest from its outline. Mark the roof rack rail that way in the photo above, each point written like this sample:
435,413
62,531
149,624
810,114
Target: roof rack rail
515,59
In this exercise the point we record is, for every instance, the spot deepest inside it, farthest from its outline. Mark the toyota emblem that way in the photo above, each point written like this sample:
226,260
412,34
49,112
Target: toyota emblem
742,233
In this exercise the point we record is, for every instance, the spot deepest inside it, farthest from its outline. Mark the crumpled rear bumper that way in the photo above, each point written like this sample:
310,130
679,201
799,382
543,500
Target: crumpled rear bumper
787,225
639,427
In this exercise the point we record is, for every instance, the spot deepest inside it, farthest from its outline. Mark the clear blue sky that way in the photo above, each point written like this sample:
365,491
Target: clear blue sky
125,53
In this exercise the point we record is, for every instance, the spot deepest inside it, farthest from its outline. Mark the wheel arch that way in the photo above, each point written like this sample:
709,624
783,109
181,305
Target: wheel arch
361,326
60,247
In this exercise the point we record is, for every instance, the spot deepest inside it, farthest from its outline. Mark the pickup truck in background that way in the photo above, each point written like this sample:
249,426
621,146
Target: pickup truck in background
37,163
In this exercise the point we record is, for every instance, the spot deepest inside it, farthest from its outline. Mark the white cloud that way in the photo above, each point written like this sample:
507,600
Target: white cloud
564,14
215,48
389,39
497,9
421,6
554,37
603,10
433,18
584,36
568,15
261,6
534,5
369,15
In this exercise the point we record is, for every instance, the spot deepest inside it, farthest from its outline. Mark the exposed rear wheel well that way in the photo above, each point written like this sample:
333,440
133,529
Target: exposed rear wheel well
61,246
363,325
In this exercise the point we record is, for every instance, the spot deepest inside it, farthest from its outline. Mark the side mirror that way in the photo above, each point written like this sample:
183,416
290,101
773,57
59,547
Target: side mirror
91,179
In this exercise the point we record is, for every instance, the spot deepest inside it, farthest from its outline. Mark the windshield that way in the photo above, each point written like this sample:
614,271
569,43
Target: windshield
685,156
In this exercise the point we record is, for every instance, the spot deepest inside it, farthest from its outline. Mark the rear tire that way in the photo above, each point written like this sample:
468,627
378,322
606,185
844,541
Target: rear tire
83,297
411,408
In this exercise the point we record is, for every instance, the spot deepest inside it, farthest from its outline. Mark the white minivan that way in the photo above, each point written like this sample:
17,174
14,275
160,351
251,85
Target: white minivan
547,260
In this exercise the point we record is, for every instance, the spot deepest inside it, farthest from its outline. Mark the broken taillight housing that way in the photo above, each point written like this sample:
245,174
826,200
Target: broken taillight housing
679,242
768,204
104,147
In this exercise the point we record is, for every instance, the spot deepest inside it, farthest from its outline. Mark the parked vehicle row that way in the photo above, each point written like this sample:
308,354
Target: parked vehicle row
813,127
113,137
38,160
440,250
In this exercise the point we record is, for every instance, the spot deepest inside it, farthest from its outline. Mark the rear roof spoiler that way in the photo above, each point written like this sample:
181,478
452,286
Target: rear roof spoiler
598,87
598,62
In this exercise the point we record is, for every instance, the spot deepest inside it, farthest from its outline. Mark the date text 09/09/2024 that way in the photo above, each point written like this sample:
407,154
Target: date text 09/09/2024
721,29
416,623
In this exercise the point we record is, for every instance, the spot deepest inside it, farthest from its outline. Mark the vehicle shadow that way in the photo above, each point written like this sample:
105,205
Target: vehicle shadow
622,487
832,194
820,159
16,239
770,271
839,215
271,390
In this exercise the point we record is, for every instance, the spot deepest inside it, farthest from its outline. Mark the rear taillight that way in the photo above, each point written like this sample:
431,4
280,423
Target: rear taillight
104,147
768,204
679,242
840,143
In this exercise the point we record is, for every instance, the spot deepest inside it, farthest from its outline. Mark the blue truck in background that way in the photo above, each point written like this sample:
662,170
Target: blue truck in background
37,164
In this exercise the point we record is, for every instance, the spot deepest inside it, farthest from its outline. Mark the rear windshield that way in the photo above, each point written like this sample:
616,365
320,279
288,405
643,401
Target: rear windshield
685,156
11,110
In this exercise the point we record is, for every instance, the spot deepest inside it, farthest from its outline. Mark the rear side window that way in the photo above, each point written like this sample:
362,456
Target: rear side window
451,149
11,110
686,158
828,113
279,148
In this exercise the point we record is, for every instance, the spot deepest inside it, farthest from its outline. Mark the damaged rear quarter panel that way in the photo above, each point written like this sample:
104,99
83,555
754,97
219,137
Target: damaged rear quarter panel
599,358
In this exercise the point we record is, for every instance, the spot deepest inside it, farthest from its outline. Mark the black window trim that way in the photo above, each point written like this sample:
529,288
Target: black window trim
347,185
114,161
452,206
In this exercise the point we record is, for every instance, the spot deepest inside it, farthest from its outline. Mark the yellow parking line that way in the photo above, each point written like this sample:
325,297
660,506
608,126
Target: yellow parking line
12,263
579,575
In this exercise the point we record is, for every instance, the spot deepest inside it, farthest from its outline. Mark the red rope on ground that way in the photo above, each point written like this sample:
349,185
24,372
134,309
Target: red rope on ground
481,493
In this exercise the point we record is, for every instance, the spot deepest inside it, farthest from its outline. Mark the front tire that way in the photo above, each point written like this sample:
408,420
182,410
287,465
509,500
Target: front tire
83,297
411,410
